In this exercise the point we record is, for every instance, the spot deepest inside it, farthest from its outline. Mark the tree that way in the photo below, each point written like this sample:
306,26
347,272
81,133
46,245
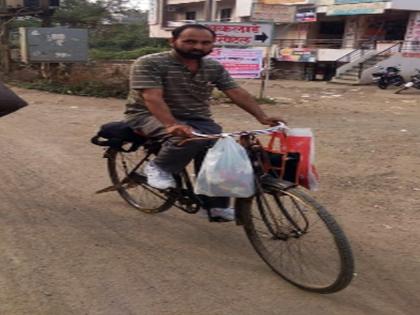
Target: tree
81,14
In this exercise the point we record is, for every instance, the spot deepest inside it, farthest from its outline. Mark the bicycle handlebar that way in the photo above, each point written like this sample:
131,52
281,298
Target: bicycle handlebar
280,126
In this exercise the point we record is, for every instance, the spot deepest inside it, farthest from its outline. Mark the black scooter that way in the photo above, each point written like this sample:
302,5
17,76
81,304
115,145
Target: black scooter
388,76
415,83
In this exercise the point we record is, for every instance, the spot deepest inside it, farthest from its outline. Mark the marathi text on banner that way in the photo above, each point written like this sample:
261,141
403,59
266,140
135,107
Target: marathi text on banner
241,34
240,63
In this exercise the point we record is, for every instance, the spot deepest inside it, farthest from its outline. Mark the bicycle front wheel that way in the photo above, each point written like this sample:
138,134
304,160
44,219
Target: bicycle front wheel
299,240
131,184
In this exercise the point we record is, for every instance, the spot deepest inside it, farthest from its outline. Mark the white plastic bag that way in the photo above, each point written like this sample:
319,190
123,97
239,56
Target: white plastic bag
226,171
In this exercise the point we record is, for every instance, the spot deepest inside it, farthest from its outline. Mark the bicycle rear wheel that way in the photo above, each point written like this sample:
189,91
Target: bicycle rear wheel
132,186
299,240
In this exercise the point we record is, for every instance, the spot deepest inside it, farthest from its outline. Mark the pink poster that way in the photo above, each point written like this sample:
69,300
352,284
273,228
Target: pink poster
240,63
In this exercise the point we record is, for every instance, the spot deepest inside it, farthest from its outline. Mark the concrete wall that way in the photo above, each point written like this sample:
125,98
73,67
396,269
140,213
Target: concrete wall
292,31
243,8
113,74
288,70
408,67
406,5
332,54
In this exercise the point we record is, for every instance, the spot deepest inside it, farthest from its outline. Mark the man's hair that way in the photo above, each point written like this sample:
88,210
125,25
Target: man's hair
177,32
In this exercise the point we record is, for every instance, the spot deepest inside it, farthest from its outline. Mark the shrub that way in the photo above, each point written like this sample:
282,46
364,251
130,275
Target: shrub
122,55
83,88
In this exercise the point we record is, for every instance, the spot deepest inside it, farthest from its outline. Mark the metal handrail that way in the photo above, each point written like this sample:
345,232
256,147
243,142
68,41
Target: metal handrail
411,46
349,57
398,45
356,53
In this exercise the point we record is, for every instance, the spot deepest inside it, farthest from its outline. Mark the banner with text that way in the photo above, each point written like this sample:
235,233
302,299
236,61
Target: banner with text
411,46
356,9
276,13
241,34
240,63
296,54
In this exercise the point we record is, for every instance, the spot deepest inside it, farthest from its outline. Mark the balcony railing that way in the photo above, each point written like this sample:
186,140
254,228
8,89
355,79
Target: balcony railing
322,43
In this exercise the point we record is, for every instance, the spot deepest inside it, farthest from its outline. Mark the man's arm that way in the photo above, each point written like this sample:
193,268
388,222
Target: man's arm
245,101
153,99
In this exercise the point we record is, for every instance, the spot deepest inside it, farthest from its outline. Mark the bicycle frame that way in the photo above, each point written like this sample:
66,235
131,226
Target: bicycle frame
185,198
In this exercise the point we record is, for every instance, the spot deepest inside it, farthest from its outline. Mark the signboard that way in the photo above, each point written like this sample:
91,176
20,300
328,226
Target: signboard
242,34
240,63
352,9
305,14
296,54
276,13
53,44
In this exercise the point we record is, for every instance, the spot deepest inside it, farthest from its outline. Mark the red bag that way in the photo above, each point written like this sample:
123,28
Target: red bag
297,142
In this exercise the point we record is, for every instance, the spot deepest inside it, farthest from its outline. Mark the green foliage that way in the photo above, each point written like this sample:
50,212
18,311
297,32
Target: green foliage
81,13
123,55
84,88
25,22
119,37
109,37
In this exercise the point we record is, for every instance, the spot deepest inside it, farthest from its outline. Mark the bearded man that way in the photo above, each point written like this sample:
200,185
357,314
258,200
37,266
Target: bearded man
169,95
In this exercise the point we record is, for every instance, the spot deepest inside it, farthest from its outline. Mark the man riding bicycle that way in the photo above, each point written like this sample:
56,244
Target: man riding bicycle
169,94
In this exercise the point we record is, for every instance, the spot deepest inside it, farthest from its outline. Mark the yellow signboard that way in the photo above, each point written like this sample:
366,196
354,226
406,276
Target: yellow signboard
356,9
273,13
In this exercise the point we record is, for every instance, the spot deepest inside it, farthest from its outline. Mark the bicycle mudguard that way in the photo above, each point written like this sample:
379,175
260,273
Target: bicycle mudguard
271,184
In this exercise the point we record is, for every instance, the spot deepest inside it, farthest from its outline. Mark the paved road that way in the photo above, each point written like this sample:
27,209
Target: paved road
65,250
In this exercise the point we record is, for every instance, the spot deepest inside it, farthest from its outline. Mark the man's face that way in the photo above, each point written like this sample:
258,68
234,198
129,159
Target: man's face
193,43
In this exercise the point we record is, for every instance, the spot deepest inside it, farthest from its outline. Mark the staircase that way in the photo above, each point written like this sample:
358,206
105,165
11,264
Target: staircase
351,66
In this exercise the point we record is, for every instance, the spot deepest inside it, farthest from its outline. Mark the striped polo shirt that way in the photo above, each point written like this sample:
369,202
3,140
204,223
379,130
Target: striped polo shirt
185,93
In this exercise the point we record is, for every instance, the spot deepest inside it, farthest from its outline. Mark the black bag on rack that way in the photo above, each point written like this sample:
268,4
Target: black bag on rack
116,134
9,101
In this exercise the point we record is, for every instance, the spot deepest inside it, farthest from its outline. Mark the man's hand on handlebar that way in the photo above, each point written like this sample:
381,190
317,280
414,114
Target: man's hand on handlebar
180,130
271,121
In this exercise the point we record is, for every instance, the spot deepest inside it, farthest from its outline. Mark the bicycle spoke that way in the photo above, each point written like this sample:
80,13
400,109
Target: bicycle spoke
126,167
292,236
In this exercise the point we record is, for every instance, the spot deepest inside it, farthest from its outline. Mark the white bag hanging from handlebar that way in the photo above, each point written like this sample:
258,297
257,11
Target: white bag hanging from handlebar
226,171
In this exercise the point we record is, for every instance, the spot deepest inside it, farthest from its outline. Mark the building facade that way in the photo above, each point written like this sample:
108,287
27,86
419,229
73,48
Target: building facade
311,37
164,15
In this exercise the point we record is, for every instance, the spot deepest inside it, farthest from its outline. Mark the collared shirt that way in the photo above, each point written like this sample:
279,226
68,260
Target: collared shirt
185,93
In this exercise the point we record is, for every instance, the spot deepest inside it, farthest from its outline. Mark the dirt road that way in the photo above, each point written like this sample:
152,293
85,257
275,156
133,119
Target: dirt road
65,250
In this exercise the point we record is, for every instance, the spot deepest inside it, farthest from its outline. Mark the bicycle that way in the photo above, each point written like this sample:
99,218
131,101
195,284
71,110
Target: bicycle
292,233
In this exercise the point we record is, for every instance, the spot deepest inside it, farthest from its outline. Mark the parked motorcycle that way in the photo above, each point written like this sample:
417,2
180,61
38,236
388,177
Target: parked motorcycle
415,82
388,76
